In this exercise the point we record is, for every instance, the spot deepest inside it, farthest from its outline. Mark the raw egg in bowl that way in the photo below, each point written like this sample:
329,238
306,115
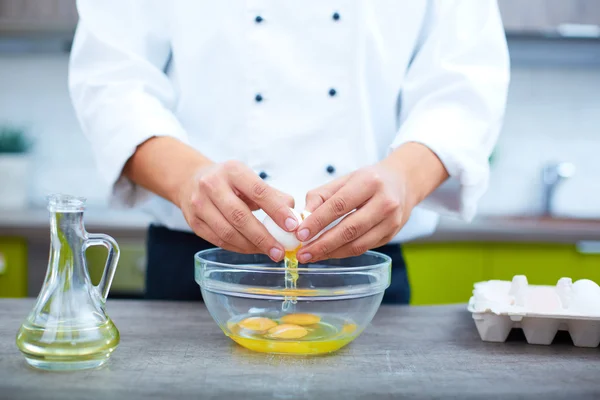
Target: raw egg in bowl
329,304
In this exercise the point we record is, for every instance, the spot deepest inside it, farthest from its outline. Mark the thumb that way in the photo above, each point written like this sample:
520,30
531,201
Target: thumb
316,197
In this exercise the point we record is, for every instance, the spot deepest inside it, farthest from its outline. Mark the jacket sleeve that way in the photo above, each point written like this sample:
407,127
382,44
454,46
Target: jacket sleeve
454,97
119,90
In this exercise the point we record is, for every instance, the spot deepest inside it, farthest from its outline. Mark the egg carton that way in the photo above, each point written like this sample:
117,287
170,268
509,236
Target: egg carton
539,310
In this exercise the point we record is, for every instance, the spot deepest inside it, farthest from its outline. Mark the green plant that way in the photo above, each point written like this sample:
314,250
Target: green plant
13,140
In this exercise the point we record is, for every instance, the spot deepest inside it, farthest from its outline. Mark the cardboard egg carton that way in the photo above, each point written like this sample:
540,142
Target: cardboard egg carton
541,311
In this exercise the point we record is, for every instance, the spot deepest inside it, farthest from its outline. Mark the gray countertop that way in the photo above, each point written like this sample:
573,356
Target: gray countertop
174,350
516,229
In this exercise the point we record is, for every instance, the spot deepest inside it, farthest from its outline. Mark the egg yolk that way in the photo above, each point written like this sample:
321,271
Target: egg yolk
258,324
301,319
287,331
348,328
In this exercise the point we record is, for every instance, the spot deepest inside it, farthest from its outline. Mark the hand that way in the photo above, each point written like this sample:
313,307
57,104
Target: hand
218,200
383,196
379,197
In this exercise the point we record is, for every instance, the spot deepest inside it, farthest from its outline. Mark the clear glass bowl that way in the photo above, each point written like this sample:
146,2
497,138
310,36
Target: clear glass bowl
332,304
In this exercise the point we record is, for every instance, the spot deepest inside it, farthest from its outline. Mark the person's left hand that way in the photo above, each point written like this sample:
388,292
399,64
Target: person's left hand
379,196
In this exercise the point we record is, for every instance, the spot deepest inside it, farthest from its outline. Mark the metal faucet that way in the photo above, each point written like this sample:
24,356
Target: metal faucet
552,175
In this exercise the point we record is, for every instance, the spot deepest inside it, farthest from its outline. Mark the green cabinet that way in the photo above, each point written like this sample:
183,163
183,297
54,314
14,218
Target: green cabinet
13,267
587,266
130,275
443,273
543,263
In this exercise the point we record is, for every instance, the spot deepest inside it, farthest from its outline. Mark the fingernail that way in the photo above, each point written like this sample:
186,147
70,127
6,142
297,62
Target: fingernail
275,253
305,257
291,224
303,234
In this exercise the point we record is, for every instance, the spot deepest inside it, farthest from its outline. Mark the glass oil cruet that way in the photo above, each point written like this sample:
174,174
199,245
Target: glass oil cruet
68,328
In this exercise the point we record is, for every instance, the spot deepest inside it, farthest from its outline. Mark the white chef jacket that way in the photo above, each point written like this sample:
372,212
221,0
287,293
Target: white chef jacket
300,91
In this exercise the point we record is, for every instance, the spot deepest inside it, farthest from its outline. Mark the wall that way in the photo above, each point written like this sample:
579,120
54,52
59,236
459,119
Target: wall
552,114
33,92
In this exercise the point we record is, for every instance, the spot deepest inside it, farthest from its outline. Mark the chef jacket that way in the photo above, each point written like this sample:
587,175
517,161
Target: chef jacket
300,91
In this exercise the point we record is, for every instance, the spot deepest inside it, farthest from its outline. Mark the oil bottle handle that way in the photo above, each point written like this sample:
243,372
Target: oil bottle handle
100,239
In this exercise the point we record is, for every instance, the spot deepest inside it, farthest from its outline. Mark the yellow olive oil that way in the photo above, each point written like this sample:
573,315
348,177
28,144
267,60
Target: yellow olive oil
67,347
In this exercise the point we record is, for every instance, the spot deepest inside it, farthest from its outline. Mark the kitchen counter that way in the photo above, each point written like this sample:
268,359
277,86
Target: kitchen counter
174,350
130,226
517,229
34,222
38,218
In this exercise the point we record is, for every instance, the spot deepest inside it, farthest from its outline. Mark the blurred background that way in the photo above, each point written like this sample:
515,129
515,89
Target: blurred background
540,216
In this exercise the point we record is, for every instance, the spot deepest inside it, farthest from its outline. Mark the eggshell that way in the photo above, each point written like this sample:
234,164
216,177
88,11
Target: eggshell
585,297
287,239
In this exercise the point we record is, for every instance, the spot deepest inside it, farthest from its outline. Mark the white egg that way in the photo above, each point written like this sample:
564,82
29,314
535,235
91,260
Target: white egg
585,297
587,287
287,239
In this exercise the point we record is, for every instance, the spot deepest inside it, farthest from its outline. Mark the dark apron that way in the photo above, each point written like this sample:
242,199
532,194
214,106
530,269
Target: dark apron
170,267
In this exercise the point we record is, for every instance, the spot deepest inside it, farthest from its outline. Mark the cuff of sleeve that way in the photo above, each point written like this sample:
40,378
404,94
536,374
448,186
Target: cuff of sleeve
114,154
468,167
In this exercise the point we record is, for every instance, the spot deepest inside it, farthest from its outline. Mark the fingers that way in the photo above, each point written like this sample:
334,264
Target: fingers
251,205
287,199
348,230
272,202
219,204
201,229
316,197
210,215
240,217
378,236
351,195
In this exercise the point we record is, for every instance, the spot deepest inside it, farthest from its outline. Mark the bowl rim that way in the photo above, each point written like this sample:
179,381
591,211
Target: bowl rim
387,261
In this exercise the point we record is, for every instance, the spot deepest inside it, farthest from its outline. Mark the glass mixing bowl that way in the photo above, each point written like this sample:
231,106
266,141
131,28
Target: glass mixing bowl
332,303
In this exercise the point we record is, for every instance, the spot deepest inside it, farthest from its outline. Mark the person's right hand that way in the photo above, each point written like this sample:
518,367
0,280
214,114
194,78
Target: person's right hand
217,203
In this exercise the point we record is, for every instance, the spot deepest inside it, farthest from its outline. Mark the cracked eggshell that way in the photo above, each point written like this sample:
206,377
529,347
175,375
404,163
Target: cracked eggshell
287,239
